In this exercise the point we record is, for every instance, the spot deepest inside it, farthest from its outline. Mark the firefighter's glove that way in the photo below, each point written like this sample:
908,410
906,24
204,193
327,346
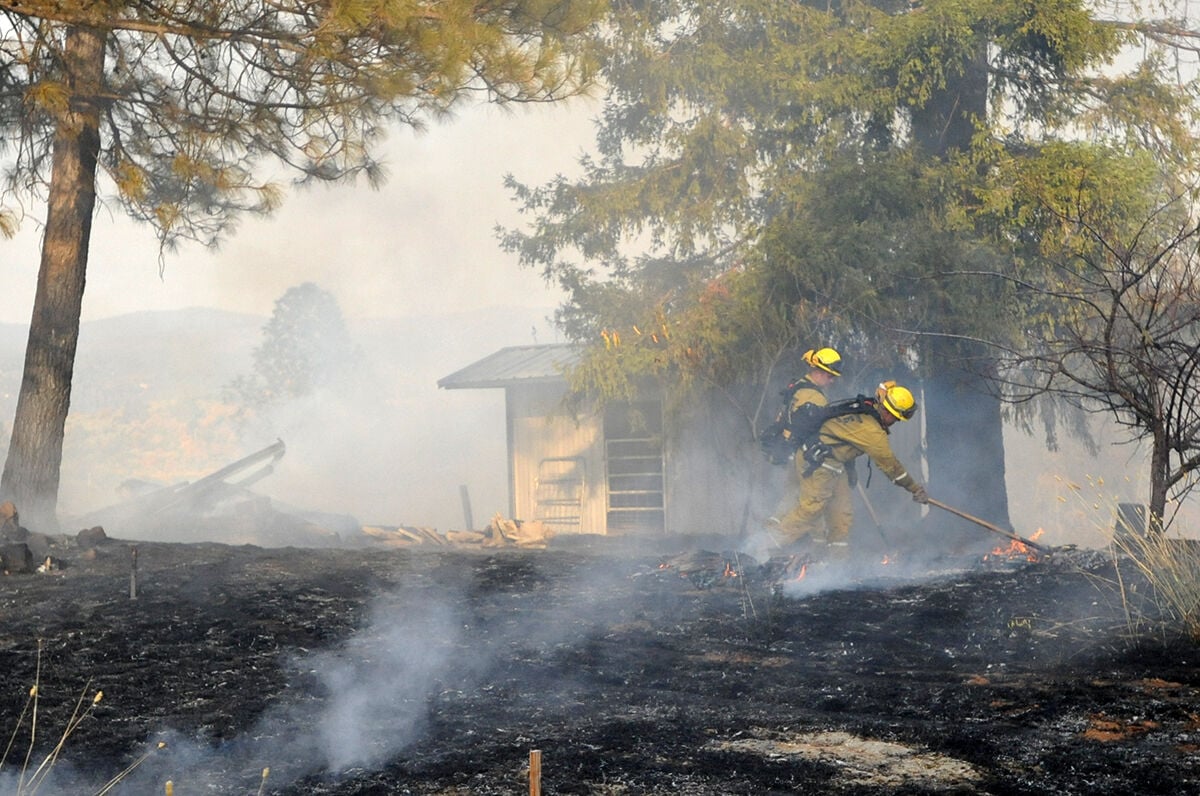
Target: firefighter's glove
919,494
816,453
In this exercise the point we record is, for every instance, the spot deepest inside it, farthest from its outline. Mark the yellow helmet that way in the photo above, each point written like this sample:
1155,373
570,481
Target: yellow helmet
825,359
896,399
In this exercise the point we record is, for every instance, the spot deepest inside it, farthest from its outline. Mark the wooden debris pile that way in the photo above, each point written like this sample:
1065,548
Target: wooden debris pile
500,533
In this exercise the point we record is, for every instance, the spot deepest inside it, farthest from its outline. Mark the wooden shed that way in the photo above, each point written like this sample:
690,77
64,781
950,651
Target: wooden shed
635,469
581,471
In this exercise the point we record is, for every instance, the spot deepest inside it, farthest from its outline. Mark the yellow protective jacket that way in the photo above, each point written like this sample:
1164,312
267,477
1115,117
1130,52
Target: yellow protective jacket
807,393
850,436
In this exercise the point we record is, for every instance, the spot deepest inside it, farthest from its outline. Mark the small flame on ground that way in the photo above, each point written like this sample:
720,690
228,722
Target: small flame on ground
1016,550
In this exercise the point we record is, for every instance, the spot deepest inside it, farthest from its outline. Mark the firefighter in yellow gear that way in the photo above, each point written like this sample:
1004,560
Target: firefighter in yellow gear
824,367
824,485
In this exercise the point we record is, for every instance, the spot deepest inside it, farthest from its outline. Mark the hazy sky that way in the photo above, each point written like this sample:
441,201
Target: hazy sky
423,243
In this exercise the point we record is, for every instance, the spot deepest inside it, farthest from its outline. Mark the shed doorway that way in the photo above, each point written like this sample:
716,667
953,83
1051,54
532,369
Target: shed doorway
634,467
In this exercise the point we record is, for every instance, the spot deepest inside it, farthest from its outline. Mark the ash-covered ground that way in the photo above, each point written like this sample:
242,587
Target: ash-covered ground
412,672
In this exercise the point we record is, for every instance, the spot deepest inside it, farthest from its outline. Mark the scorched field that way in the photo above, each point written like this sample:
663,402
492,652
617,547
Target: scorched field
244,670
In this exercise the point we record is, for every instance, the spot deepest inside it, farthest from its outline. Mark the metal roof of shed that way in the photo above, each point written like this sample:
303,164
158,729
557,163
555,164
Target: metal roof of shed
525,364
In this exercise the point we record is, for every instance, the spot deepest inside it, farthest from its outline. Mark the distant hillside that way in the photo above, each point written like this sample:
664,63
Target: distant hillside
154,355
141,357
147,403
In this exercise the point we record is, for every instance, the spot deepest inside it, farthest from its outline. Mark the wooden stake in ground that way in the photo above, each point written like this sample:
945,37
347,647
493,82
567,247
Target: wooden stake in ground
535,772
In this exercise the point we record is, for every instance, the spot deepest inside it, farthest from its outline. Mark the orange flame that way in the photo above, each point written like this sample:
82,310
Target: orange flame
1016,550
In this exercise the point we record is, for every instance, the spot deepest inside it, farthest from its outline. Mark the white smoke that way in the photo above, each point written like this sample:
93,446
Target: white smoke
378,685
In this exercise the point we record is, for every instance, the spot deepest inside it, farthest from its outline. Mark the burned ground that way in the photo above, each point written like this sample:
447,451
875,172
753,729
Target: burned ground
390,672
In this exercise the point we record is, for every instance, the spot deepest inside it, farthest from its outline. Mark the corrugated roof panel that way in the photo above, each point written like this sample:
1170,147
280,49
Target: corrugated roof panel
526,363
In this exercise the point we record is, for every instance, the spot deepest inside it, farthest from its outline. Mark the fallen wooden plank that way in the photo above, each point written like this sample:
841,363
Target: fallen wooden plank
392,535
466,537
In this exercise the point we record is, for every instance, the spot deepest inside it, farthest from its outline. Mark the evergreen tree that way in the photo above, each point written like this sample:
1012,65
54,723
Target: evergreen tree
835,171
305,347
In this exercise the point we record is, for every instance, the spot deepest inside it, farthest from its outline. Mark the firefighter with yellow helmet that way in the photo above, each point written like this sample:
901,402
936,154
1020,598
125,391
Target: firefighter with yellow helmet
824,367
824,487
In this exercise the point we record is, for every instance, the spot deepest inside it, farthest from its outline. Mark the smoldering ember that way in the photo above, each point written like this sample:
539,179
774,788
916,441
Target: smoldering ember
501,662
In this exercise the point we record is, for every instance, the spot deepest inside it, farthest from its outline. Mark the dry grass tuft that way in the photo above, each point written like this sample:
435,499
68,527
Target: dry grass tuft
1171,569
1162,592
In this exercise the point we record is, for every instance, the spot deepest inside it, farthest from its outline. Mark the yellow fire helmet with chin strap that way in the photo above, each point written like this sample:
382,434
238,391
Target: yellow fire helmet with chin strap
897,400
825,359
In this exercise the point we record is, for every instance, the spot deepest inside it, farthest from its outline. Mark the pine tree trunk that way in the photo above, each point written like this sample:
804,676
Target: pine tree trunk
31,472
964,425
964,431
946,123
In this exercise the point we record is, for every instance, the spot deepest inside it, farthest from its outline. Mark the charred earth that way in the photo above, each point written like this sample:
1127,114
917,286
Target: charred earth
365,671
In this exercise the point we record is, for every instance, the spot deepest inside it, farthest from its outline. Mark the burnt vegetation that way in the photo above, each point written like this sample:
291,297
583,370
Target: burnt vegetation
370,671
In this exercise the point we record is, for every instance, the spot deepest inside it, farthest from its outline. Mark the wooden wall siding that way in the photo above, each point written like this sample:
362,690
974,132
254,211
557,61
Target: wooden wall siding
712,469
549,446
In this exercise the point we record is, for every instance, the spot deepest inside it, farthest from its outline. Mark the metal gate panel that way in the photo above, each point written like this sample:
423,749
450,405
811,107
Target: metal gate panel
559,492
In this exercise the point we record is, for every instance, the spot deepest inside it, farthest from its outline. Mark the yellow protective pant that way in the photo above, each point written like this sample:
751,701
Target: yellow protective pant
824,501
